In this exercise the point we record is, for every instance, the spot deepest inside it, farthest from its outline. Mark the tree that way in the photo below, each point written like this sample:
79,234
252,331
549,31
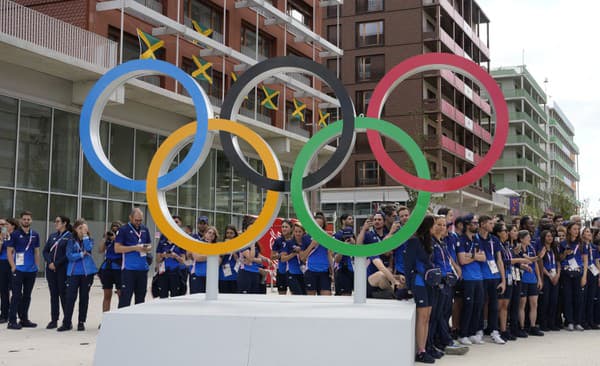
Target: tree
561,202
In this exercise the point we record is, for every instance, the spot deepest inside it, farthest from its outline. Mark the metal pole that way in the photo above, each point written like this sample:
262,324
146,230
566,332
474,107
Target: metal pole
360,280
212,277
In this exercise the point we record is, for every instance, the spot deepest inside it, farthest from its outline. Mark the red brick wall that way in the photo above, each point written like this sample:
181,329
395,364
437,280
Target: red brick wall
70,11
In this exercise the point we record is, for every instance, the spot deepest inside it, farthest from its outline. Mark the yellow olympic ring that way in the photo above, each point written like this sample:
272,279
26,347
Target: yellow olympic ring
166,224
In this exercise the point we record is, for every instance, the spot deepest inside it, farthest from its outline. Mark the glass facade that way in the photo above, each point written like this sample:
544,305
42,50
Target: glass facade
41,144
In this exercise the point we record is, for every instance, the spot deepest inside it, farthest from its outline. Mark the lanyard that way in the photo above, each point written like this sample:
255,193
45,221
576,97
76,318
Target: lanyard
57,241
591,251
29,243
507,252
139,235
443,255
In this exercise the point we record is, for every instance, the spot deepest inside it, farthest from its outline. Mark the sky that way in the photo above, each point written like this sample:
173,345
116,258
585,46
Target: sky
560,39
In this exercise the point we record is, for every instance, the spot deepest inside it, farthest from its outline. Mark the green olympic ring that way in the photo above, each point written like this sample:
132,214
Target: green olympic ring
301,167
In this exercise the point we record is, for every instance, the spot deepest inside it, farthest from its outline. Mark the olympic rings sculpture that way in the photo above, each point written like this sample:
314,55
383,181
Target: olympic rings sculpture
202,131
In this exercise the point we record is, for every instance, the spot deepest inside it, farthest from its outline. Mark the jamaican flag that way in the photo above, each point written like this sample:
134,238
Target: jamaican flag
271,100
148,45
202,30
299,108
323,119
203,68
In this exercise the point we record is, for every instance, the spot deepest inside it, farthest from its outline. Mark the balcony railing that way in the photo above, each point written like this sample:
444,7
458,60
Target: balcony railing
522,116
518,163
570,168
527,141
566,136
152,4
521,93
456,115
526,186
55,35
465,90
251,52
259,116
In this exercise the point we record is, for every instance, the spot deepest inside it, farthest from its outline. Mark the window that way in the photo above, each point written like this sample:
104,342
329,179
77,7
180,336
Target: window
294,124
362,100
34,146
9,109
301,12
367,6
370,67
369,34
207,16
131,51
65,152
332,65
367,173
332,34
249,41
155,5
263,113
332,11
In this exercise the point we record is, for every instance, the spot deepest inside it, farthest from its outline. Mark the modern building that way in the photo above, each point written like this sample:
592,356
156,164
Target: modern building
52,52
563,154
443,111
524,164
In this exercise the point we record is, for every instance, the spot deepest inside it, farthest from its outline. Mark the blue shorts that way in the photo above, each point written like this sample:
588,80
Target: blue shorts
423,296
317,281
507,295
529,289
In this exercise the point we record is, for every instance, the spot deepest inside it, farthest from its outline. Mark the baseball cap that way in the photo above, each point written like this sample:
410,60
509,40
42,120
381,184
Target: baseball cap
203,218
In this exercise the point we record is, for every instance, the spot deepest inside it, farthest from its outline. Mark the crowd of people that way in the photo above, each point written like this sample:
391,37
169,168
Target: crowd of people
468,276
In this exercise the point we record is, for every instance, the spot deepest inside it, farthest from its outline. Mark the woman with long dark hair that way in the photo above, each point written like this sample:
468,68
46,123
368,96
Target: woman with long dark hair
55,255
501,232
8,226
228,269
574,263
291,255
276,252
551,273
417,260
80,272
591,288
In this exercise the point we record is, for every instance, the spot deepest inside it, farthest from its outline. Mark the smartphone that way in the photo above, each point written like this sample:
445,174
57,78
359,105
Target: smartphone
4,230
397,218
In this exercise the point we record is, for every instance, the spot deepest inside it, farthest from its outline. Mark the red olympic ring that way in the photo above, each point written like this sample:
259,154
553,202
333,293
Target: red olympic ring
438,61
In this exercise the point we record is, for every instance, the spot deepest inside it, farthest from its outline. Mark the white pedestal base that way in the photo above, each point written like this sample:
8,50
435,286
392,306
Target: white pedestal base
253,330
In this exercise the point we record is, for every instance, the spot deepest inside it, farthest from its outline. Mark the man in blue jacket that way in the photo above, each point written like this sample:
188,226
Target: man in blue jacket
134,243
24,260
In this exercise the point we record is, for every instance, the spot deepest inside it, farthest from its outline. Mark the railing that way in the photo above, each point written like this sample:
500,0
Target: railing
522,93
570,168
517,163
527,141
55,35
522,116
152,4
526,186
296,128
258,116
566,136
251,52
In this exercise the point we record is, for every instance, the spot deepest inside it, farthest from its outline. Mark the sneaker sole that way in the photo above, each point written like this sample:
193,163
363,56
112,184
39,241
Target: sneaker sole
460,351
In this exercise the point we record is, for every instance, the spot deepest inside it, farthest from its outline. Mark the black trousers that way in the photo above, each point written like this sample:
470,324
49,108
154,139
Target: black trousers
57,284
5,276
548,304
472,308
591,298
248,282
490,293
435,318
573,295
133,283
22,286
228,287
169,284
514,307
75,284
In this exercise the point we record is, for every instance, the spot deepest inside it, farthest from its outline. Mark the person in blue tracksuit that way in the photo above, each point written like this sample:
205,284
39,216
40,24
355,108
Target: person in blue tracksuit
500,232
8,226
531,284
170,259
494,276
133,241
55,255
591,288
574,263
469,255
551,274
344,270
452,240
24,260
80,272
317,277
228,266
291,255
198,267
276,251
110,269
248,281
417,260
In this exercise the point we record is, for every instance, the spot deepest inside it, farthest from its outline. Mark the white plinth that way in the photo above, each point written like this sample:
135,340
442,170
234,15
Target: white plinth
253,330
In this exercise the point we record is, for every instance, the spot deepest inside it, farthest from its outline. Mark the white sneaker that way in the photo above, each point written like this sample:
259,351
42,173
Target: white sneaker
479,334
496,338
466,341
475,340
570,328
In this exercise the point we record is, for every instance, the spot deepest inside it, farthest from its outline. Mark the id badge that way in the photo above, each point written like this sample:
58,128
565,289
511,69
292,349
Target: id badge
238,264
573,264
509,279
493,266
553,272
162,268
20,259
594,269
227,270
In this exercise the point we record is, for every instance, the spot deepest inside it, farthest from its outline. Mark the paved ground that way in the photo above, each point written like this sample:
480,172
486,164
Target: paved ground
33,347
